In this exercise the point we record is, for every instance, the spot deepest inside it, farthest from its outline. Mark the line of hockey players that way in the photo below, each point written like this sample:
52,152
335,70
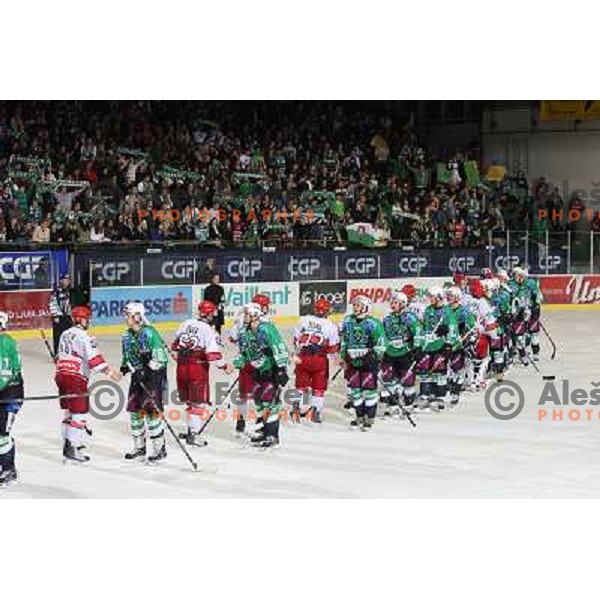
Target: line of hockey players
449,339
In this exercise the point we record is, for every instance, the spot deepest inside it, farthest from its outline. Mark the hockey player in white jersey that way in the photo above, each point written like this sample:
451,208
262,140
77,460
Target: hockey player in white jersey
197,346
315,338
78,357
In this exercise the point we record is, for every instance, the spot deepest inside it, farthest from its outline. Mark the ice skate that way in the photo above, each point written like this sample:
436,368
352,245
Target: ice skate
8,476
139,449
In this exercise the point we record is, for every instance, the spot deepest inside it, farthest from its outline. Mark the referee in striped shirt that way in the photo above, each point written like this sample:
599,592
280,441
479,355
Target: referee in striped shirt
61,301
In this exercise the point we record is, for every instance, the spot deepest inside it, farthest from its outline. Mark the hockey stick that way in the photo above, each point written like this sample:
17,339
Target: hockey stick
404,411
550,340
335,375
187,454
214,412
43,336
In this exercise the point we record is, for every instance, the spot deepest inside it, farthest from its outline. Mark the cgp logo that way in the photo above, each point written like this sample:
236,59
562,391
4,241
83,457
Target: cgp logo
178,269
412,264
361,266
507,262
22,267
246,267
461,263
303,267
549,262
111,271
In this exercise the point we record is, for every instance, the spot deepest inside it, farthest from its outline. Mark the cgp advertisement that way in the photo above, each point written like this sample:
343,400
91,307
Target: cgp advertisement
32,270
168,269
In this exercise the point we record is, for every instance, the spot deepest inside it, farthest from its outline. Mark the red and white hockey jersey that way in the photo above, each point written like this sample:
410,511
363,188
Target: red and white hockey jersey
316,335
196,340
78,354
486,320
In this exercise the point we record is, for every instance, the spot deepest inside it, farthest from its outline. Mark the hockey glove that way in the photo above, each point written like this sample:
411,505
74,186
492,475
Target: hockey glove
281,377
124,370
417,355
442,330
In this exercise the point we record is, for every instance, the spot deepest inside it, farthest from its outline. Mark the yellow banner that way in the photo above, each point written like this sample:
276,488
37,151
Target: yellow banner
592,109
496,173
570,110
562,110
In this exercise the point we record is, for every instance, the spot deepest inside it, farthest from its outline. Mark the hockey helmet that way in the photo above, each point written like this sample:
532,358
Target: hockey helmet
137,311
459,279
502,275
364,305
81,313
322,307
437,294
409,290
206,309
3,320
253,310
398,299
262,300
454,294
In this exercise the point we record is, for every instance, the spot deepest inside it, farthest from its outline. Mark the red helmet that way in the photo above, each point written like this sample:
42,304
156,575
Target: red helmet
459,278
206,308
476,288
409,290
487,273
262,299
81,313
322,307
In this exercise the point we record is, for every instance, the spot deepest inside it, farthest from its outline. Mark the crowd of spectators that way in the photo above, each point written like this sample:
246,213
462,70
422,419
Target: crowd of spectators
77,172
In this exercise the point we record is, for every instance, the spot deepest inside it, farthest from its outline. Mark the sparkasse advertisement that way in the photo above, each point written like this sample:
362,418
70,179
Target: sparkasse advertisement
162,303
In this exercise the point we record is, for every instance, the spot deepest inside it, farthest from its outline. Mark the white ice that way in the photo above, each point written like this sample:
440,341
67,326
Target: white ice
464,453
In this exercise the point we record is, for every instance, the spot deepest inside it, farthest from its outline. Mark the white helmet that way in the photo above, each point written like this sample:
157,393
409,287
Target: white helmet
3,320
502,275
137,311
437,293
253,310
364,302
488,286
400,297
519,272
454,294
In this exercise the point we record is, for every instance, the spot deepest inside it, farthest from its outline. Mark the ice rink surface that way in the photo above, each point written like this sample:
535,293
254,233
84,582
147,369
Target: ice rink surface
462,453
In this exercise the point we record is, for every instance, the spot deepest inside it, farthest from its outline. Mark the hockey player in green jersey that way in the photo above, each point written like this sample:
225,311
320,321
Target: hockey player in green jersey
466,324
145,356
261,346
440,336
526,308
362,347
11,400
402,348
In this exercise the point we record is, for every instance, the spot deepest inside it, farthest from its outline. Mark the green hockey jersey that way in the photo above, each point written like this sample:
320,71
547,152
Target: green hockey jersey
10,361
263,348
439,328
361,340
144,347
402,333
